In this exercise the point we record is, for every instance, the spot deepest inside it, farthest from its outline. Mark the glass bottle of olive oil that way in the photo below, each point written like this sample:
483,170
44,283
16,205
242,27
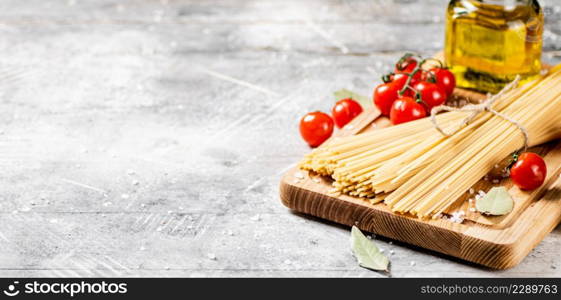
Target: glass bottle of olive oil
489,42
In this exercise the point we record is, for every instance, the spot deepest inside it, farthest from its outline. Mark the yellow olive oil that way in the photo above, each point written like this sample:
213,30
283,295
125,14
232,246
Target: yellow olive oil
489,42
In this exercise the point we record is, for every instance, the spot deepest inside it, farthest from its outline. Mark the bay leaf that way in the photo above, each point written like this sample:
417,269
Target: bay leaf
364,101
367,253
497,202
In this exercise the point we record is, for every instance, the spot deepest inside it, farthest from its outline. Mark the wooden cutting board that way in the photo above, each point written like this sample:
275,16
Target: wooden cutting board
497,242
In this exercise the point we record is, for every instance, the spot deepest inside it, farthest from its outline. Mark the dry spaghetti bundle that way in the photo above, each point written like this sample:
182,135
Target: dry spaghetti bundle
416,169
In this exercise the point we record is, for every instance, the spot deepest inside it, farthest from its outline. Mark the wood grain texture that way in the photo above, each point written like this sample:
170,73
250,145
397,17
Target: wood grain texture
495,241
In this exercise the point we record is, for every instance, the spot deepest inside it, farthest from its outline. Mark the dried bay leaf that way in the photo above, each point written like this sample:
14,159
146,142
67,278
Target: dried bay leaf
497,202
367,253
345,94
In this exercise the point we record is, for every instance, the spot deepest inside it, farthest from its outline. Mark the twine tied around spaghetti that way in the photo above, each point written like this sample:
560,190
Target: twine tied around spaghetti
479,108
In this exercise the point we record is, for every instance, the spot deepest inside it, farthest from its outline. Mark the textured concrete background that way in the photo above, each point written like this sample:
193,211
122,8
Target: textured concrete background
147,138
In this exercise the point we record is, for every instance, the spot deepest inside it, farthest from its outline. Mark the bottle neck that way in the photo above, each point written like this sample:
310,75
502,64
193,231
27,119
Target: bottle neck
506,3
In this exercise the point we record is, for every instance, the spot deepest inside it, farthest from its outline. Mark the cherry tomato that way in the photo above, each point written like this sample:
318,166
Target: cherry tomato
431,94
400,80
316,127
529,171
344,111
444,79
406,109
384,96
406,65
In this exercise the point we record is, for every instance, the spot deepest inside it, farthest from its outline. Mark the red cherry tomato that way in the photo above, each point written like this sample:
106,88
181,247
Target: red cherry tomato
406,65
529,171
444,79
400,80
431,94
345,111
316,127
384,96
406,109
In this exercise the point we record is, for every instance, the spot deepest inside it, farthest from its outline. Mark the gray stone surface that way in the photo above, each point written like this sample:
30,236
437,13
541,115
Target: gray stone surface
147,138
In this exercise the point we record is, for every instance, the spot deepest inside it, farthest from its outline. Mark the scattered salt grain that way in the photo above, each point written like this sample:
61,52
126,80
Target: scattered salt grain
299,175
391,243
349,127
211,256
135,182
106,204
412,263
505,173
287,262
296,181
316,180
382,250
130,172
457,217
495,181
471,191
472,209
392,252
142,248
125,196
255,218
